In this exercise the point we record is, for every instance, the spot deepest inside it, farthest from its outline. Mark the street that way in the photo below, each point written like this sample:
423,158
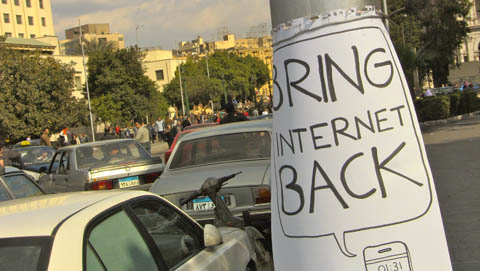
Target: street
453,151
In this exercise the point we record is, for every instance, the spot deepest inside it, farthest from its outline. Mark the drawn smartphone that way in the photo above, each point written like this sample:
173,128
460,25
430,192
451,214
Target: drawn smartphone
392,256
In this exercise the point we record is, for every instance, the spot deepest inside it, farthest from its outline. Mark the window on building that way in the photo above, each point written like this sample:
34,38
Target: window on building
17,2
44,23
21,35
28,3
4,1
19,19
8,34
30,20
159,75
40,3
32,36
465,58
6,18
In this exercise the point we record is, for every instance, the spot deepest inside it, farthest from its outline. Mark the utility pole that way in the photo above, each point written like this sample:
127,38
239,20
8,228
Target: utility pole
181,88
333,61
86,81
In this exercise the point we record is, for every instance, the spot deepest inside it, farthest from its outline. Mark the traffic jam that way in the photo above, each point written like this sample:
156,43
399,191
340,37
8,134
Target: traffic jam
112,205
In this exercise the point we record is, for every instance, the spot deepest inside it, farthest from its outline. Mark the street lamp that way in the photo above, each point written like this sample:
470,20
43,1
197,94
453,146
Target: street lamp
86,82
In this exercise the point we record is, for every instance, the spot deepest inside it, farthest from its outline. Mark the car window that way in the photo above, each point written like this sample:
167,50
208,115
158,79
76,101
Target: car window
64,166
21,186
56,160
24,253
110,153
37,155
3,193
177,238
222,148
116,244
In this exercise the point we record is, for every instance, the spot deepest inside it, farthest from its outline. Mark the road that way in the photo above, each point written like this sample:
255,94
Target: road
159,149
453,151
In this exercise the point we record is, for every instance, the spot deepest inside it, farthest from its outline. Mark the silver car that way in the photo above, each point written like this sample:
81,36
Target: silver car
102,165
219,151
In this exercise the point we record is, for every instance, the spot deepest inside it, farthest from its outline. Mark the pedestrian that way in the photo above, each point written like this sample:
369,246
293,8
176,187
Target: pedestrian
169,131
151,132
108,134
45,138
142,135
159,126
84,138
231,116
186,122
265,112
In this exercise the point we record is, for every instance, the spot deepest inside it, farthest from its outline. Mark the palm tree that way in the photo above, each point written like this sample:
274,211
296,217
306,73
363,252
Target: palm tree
90,46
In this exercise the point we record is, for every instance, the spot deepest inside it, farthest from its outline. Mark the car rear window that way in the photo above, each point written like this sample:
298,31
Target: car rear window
110,153
222,148
26,253
21,186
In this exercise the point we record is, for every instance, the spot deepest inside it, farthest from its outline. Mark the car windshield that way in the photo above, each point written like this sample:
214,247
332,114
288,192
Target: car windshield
110,153
23,253
36,155
222,148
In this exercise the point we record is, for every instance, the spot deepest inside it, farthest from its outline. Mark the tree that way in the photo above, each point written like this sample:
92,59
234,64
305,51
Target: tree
435,28
36,93
236,75
445,30
118,77
90,46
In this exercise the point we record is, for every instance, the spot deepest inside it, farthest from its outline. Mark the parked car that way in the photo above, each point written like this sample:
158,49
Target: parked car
109,164
218,151
32,158
113,230
185,131
15,184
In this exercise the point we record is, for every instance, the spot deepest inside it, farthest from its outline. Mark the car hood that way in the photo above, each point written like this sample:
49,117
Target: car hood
254,173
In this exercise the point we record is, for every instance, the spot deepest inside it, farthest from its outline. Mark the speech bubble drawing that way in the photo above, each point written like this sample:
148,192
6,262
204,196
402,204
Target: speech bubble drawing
354,159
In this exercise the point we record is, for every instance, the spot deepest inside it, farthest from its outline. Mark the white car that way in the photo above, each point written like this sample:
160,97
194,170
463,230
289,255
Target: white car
113,230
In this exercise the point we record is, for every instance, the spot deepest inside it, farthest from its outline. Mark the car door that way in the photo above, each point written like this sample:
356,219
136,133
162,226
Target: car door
60,176
180,240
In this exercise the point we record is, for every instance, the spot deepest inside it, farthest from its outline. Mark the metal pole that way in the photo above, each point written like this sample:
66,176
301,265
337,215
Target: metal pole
181,88
86,82
208,71
385,11
283,11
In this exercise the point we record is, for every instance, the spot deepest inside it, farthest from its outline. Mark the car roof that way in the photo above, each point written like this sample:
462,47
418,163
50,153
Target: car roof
230,128
96,143
39,216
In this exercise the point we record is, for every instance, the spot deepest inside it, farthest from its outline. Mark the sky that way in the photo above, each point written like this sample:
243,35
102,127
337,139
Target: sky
163,22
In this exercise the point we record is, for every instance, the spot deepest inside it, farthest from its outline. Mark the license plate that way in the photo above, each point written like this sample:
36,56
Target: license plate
205,204
128,182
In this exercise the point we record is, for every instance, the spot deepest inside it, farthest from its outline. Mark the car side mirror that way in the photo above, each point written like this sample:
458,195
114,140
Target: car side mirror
212,236
43,169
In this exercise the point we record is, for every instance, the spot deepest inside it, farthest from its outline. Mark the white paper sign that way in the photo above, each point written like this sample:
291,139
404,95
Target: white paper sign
352,187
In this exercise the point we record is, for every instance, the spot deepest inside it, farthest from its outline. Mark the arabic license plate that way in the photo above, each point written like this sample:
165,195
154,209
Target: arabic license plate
128,182
205,204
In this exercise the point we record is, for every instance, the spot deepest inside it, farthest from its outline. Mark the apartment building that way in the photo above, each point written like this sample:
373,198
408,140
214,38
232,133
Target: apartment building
27,19
160,66
90,32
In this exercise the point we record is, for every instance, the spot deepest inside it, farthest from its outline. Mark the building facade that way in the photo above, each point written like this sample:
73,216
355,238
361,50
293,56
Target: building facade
90,32
160,66
28,19
468,57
